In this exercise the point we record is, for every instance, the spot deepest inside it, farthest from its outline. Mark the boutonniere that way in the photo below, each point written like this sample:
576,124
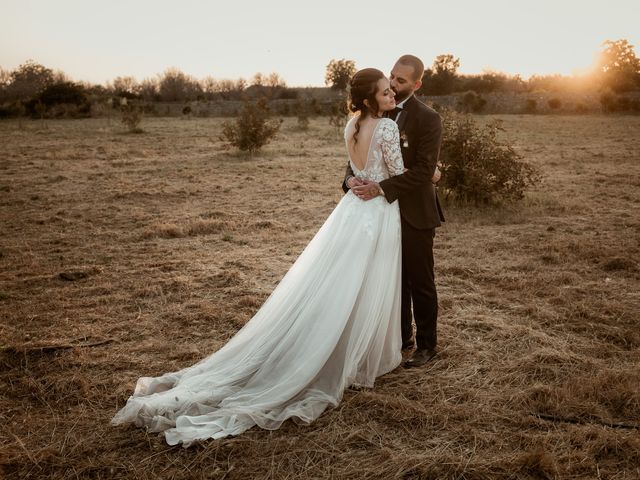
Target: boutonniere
404,140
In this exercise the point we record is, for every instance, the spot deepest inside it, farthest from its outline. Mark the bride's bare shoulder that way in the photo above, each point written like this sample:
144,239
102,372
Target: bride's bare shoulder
349,127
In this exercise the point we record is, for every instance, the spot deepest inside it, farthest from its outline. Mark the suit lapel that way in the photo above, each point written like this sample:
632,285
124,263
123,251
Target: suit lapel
401,120
404,114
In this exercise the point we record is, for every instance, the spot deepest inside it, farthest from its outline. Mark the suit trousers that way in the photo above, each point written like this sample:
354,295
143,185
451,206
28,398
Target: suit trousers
418,286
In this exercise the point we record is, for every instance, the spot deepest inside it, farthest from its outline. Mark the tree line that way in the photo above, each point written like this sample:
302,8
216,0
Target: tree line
33,89
617,69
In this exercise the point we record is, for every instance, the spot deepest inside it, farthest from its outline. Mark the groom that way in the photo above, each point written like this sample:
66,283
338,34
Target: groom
420,136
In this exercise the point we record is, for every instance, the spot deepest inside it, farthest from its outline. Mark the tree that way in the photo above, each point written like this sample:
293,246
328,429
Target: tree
227,89
147,89
269,86
29,79
619,66
441,78
175,86
5,80
63,92
258,80
339,72
125,87
446,64
209,87
275,81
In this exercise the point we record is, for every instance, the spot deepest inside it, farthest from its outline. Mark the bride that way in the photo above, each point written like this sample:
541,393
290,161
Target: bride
333,321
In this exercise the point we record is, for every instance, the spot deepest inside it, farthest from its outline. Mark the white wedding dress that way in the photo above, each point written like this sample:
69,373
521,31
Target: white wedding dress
333,321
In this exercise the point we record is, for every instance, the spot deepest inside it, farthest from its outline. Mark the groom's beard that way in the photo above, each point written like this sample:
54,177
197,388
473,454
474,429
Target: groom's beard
402,96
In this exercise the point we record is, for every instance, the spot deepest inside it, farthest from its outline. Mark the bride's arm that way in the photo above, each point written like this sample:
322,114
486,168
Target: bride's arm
347,175
349,172
390,146
423,170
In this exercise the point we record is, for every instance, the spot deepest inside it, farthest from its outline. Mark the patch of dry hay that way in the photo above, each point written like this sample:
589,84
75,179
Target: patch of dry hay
182,241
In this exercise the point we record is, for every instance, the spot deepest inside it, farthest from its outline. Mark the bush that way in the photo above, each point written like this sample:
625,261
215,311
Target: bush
63,92
252,129
531,106
608,102
288,94
302,112
13,109
471,102
131,117
554,103
339,114
624,103
477,167
611,102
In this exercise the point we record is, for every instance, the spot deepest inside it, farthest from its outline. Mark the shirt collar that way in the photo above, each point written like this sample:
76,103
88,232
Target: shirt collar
401,104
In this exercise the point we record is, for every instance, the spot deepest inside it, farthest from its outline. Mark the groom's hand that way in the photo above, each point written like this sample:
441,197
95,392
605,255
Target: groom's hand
367,190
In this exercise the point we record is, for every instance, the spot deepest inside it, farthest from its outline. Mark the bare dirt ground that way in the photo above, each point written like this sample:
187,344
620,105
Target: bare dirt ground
133,255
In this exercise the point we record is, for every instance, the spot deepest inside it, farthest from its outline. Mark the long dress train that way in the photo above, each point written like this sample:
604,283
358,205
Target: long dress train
332,321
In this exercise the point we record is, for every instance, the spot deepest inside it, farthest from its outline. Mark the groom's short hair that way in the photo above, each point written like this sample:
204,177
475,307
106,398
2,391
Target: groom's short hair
415,62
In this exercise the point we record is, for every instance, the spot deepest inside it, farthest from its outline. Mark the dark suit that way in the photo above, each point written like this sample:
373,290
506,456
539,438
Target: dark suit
420,136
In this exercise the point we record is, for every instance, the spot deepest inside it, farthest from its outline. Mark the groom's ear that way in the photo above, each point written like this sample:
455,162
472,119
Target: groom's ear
417,85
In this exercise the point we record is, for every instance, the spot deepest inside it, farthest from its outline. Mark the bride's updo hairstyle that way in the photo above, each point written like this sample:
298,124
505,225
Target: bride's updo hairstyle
363,86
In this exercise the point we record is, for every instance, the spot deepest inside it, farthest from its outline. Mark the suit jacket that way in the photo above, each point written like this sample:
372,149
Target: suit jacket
420,137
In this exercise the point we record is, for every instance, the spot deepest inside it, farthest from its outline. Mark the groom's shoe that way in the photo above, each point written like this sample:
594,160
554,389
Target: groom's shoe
420,357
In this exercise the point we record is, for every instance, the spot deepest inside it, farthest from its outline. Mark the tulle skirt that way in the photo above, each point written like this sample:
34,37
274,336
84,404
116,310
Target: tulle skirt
332,321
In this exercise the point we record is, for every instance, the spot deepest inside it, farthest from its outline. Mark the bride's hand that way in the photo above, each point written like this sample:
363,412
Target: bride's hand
354,182
436,176
367,190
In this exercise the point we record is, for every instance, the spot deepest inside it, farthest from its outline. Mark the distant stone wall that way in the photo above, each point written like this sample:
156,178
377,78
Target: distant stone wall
230,108
492,103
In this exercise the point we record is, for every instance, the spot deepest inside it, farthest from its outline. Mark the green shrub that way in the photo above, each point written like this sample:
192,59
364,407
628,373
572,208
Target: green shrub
471,102
252,128
131,117
478,167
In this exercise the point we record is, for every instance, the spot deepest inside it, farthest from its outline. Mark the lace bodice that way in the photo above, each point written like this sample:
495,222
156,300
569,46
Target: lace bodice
384,159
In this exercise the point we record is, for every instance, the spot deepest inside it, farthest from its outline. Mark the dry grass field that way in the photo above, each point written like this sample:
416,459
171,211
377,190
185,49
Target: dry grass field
132,255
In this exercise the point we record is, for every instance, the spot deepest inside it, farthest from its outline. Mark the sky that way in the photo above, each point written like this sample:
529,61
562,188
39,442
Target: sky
98,40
